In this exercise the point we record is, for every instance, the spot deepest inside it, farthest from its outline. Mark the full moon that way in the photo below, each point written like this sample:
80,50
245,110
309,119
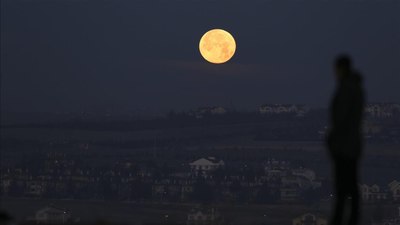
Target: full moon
217,46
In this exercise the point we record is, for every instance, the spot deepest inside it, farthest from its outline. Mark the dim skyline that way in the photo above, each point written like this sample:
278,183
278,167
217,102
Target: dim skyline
122,56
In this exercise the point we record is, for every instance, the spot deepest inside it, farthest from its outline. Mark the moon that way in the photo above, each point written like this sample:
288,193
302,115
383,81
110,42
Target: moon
217,46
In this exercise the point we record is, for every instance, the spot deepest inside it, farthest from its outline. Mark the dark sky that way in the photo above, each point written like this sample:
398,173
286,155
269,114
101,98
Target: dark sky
124,56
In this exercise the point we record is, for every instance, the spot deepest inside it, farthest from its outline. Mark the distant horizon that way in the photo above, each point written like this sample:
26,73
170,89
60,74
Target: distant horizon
182,110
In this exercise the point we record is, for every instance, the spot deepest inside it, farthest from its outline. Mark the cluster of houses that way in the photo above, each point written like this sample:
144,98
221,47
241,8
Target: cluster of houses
56,215
374,110
196,216
382,110
211,216
202,215
374,193
279,176
298,110
279,179
266,109
52,215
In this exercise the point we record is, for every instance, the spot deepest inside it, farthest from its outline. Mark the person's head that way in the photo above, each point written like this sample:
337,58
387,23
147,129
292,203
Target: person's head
343,66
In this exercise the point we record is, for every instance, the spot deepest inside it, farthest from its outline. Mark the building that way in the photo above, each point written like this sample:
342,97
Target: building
52,215
5,184
290,193
372,193
394,188
382,110
299,181
206,164
304,172
309,219
275,168
35,188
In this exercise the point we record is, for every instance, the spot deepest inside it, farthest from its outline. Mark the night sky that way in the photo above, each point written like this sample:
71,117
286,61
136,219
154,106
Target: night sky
124,56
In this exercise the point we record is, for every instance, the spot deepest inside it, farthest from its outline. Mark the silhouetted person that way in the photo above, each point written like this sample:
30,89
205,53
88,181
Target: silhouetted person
5,218
344,140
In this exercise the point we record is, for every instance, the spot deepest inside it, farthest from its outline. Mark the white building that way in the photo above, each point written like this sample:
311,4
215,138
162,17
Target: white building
372,193
206,164
52,215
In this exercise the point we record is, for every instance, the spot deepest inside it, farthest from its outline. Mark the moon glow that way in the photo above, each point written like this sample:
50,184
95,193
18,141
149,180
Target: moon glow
217,46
